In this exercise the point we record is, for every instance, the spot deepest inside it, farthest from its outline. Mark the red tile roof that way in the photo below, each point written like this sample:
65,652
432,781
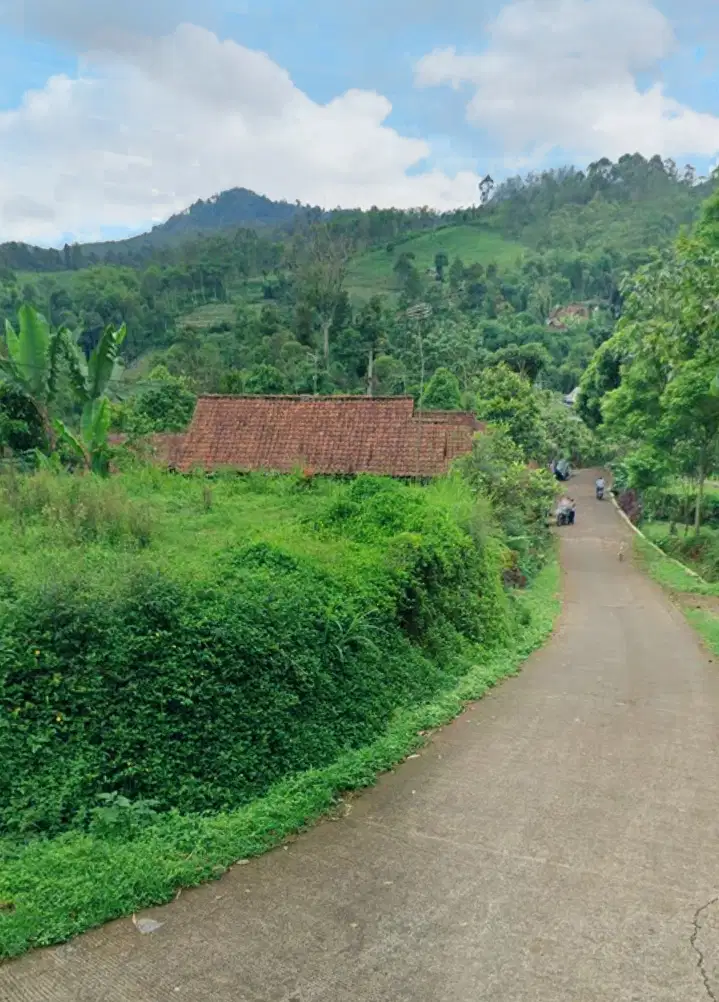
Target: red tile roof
325,435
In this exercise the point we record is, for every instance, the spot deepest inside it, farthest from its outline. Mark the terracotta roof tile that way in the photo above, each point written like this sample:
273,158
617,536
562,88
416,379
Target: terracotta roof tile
325,435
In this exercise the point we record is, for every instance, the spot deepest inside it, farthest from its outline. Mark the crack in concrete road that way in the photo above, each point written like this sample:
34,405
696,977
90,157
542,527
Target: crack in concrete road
701,963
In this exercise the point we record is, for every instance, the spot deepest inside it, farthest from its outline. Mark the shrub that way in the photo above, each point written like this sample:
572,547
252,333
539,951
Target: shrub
199,685
676,503
164,405
521,498
442,392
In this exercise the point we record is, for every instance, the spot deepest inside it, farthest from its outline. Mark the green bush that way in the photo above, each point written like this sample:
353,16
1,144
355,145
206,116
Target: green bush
132,858
196,685
521,498
442,392
165,404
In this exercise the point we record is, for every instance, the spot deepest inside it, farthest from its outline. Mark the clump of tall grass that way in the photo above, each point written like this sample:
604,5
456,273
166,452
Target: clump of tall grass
76,509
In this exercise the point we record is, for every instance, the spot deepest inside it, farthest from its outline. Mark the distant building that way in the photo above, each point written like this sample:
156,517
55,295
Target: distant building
325,435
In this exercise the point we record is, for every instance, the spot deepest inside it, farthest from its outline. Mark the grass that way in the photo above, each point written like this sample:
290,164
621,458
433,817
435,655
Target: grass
53,889
193,522
205,317
706,624
680,583
372,272
700,553
670,573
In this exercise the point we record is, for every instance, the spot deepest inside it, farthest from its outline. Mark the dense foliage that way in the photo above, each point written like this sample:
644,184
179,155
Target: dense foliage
532,278
653,388
240,637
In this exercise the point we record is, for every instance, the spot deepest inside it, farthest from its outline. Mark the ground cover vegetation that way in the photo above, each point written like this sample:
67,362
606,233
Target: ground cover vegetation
173,650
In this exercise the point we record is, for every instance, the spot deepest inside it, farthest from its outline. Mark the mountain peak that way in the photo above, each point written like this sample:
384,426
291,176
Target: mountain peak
234,207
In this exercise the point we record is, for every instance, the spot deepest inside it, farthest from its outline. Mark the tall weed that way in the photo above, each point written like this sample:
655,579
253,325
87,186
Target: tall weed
75,509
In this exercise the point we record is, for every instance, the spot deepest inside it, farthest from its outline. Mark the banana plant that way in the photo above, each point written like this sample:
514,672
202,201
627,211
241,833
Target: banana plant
90,445
90,380
30,362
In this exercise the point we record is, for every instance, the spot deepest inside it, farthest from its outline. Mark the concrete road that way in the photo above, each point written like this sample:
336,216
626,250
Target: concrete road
558,843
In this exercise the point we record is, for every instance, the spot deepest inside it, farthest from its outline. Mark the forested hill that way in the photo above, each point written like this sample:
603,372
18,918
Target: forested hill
297,300
629,205
231,209
634,203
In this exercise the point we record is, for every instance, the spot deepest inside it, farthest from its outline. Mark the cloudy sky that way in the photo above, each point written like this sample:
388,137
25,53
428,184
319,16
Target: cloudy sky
116,113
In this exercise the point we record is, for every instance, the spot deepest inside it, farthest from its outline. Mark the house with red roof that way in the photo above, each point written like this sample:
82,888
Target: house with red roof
324,435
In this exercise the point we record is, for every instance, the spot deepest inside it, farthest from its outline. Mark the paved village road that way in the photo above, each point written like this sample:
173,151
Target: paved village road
558,843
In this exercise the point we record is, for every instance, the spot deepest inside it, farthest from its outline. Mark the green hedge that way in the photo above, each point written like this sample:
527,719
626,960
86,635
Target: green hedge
198,691
56,888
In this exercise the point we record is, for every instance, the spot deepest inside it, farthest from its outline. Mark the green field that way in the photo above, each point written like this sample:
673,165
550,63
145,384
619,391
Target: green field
209,316
372,272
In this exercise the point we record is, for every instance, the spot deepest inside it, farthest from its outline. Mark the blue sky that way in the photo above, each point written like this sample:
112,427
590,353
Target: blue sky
112,116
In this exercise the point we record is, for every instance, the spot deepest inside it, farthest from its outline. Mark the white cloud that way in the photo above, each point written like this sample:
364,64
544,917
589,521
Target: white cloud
144,131
563,73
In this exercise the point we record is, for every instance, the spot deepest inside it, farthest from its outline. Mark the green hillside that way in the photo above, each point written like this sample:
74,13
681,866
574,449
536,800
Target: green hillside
373,272
310,307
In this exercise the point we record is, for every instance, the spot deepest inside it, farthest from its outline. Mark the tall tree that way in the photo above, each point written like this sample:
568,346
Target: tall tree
440,263
321,274
668,394
371,327
507,399
442,392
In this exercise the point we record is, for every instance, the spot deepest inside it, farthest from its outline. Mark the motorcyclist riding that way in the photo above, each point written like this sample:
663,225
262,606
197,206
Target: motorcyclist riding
599,486
565,511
